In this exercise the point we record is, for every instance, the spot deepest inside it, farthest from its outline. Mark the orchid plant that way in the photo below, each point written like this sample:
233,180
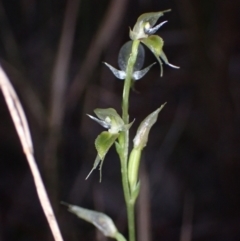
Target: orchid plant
130,60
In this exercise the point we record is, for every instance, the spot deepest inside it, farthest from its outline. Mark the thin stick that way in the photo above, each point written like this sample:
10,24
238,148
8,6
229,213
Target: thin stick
21,125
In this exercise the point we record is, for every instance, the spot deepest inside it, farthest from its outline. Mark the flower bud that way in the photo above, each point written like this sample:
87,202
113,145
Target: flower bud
141,138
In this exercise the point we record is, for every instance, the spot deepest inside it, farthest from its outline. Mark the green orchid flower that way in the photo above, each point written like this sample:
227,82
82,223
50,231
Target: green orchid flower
143,30
111,120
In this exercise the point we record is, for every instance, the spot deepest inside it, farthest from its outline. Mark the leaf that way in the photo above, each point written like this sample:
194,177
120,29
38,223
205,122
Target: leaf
98,219
141,138
103,142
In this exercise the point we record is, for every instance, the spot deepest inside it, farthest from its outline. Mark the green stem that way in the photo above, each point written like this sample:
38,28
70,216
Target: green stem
124,141
128,80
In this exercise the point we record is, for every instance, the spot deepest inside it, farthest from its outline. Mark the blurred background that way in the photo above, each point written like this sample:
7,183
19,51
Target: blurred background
53,51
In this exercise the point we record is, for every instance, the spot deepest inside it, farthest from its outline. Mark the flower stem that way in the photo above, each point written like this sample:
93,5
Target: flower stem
128,80
124,141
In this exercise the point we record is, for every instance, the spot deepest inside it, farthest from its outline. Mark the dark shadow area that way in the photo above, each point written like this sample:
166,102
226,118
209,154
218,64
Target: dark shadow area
53,51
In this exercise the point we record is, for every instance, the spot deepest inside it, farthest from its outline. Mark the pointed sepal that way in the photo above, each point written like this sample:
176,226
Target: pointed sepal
139,74
120,74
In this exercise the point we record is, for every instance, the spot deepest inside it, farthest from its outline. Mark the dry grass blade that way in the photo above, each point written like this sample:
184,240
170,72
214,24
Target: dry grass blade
21,125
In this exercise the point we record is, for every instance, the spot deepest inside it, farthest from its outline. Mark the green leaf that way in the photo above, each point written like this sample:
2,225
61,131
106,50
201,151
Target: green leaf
103,142
141,138
98,219
145,20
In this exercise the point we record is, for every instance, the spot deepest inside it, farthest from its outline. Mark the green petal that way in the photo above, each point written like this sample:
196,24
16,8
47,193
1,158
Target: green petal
155,44
103,142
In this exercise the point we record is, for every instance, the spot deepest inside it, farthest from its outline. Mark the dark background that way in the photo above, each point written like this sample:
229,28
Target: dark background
52,52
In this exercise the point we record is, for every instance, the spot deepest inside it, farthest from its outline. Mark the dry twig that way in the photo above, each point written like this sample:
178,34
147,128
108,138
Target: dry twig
21,125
